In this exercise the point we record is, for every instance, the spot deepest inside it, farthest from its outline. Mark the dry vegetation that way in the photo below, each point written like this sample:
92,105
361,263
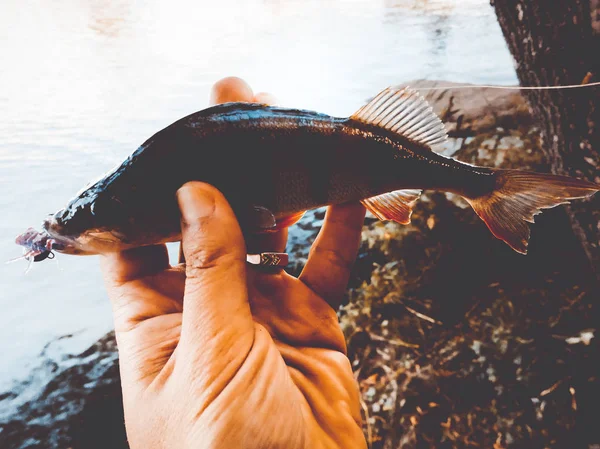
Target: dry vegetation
458,342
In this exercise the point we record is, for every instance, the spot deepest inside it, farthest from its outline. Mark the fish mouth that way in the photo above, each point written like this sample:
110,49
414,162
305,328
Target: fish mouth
62,242
66,246
95,240
38,246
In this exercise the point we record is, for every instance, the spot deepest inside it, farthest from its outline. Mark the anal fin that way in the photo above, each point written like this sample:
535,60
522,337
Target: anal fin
395,206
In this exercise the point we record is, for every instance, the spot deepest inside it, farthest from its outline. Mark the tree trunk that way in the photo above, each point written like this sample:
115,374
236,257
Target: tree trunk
557,42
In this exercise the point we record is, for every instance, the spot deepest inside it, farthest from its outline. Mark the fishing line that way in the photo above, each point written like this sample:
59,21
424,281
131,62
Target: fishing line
477,86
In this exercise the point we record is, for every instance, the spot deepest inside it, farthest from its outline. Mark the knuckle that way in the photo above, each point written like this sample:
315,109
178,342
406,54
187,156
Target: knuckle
209,242
208,255
195,229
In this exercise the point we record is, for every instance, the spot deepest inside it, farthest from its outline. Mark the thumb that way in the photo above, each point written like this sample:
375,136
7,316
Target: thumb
216,312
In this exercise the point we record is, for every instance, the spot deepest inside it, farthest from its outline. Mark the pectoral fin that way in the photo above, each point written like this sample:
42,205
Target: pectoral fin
395,206
289,220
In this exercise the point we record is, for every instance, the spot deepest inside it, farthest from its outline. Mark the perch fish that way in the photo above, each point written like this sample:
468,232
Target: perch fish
273,164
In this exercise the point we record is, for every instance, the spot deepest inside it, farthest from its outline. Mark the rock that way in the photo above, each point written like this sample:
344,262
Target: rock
301,237
469,111
80,408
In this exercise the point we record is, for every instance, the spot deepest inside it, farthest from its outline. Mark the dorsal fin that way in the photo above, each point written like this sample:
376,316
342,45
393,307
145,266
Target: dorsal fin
406,112
395,206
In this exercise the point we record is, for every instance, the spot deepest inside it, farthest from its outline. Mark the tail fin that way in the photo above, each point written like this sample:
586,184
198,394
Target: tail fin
519,196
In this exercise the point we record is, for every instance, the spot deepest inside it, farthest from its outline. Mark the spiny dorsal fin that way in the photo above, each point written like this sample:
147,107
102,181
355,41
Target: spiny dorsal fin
406,112
395,206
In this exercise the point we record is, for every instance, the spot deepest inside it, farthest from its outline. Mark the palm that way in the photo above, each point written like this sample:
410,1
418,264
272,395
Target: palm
310,373
158,315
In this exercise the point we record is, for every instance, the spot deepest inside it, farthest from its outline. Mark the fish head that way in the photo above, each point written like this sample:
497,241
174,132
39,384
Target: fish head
115,217
89,224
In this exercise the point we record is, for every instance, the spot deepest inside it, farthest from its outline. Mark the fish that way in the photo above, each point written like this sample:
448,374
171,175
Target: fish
274,163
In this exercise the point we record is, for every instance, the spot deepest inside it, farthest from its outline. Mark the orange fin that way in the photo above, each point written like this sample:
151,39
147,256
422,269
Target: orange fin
519,196
395,206
288,220
405,112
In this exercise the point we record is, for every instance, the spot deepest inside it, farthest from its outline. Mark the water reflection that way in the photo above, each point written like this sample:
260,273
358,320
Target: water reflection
108,17
438,31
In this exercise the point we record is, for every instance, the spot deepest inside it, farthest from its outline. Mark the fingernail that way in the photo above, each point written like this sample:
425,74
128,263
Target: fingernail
195,201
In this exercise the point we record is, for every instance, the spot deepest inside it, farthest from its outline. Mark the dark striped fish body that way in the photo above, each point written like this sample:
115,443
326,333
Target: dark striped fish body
286,161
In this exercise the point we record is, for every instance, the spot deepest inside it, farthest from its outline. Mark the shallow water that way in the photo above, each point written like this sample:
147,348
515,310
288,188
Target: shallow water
83,83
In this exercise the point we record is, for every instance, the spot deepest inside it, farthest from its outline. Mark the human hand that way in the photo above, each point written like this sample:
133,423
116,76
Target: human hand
216,354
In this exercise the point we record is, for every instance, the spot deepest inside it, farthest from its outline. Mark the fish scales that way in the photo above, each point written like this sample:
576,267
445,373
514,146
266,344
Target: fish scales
286,161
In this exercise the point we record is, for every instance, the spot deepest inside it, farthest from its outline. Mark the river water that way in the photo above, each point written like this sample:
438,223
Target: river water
84,82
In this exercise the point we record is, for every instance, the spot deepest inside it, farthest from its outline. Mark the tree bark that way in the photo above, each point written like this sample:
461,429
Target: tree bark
557,42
